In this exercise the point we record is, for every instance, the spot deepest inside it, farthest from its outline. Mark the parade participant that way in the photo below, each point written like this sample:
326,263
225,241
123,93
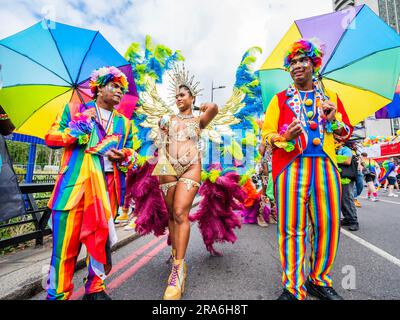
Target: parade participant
299,124
370,168
180,176
11,200
90,185
390,175
267,184
123,213
359,183
348,177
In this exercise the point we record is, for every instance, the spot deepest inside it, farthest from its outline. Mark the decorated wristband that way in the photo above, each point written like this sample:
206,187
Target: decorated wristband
280,142
130,161
331,126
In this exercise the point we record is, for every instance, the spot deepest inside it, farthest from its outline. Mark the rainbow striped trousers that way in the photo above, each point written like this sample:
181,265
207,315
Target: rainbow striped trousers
308,192
66,247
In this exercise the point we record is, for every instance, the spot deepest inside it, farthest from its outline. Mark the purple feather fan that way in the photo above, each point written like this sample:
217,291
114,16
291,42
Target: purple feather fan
216,216
144,190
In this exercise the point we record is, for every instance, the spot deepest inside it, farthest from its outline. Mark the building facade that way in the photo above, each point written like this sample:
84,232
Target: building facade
342,4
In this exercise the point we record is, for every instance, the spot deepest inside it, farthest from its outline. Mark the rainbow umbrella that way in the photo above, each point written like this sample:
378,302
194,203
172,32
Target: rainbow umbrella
361,62
48,65
392,110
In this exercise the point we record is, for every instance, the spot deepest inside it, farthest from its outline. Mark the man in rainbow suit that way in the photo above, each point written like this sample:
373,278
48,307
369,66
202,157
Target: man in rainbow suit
299,125
97,142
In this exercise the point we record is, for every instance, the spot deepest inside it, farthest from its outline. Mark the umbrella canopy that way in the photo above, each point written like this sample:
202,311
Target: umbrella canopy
361,62
392,110
48,65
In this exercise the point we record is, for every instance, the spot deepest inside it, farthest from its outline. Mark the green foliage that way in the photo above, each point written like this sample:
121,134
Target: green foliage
14,231
18,151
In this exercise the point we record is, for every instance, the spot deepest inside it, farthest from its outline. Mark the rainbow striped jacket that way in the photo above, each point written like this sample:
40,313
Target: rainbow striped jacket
70,182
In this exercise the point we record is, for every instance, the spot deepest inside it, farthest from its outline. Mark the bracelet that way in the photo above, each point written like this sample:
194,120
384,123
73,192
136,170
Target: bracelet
129,162
4,116
280,142
331,126
334,125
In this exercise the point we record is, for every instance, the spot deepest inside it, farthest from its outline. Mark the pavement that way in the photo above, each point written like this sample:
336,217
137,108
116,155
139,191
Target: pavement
23,274
367,266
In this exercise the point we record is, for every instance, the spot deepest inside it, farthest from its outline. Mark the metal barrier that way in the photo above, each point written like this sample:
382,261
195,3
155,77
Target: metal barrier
38,216
39,177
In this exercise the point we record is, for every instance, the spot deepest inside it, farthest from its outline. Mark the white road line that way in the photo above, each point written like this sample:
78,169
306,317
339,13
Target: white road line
371,247
380,200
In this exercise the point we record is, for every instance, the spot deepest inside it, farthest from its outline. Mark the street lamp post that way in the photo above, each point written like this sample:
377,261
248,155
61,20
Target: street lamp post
214,88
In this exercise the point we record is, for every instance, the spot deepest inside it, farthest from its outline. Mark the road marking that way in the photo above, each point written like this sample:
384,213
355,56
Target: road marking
132,270
373,248
381,200
81,291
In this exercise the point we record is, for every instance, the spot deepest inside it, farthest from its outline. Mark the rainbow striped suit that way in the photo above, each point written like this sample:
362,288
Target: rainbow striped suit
307,192
84,202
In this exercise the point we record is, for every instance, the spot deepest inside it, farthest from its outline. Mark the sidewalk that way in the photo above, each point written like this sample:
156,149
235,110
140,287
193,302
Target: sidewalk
24,274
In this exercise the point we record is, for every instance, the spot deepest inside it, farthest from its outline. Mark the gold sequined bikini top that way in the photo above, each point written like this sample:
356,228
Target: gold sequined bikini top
191,131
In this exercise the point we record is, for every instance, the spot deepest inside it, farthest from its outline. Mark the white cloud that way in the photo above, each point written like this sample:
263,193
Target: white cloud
212,35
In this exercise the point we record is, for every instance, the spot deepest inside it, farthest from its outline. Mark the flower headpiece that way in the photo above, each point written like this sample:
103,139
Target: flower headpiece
309,48
100,77
178,77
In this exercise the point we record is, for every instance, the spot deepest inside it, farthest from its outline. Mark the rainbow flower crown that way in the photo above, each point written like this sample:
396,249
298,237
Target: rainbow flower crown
310,48
100,77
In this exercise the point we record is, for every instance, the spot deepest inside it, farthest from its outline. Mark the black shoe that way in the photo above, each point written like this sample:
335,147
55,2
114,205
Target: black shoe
102,295
345,223
323,293
286,295
354,227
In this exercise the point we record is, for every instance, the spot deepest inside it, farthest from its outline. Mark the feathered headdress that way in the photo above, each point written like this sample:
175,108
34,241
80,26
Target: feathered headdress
310,48
180,76
104,75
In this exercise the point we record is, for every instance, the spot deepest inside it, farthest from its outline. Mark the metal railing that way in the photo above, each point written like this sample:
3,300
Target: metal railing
39,177
36,214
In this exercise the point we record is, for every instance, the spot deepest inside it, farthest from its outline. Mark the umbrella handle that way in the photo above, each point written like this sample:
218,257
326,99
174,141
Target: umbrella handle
321,87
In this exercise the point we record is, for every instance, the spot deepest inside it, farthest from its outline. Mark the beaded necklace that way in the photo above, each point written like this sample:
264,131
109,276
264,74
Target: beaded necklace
308,102
185,116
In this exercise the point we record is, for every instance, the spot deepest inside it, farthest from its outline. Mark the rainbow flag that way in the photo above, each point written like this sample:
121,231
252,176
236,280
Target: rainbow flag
95,227
104,145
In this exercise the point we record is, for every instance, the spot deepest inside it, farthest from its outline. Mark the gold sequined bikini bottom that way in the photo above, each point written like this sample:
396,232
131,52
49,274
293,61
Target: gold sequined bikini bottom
189,184
178,167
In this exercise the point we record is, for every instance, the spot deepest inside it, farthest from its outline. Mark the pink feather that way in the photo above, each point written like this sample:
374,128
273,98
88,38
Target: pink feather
144,190
216,216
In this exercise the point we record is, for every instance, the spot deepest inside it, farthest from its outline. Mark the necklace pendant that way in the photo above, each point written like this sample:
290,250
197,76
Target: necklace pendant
313,125
309,102
316,141
310,114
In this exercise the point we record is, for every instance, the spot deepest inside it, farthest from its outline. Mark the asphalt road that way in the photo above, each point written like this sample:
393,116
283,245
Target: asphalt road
367,265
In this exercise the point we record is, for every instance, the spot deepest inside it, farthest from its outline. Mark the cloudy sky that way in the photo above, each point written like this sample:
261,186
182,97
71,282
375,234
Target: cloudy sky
212,34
